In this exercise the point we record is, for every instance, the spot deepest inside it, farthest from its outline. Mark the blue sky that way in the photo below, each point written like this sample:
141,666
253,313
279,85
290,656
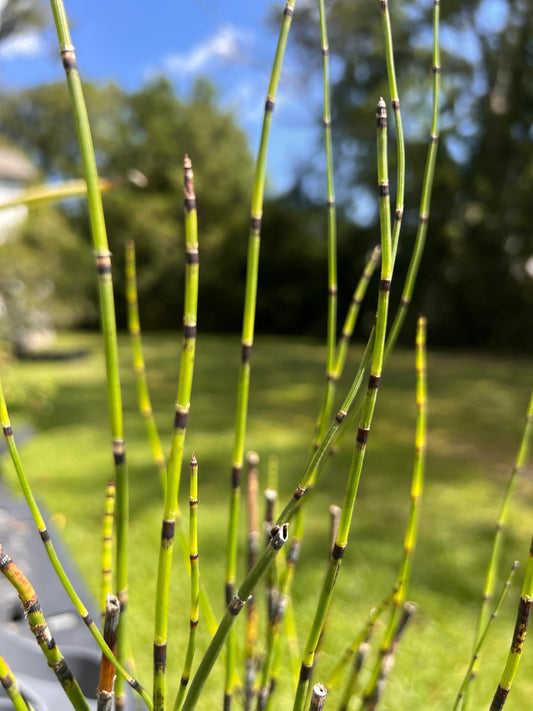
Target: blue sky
231,42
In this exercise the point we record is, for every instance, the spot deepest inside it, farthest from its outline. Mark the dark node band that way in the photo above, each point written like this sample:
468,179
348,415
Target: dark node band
103,268
373,382
405,302
193,557
299,493
184,680
522,621
337,552
160,657
434,139
332,291
357,301
63,673
383,190
499,699
235,605
8,431
236,472
269,106
194,623
246,353
423,219
228,591
325,51
119,458
227,701
396,104
68,57
167,530
5,561
331,378
327,123
330,203
7,681
87,619
193,503
436,69
383,4
382,122
278,536
305,672
32,606
255,223
384,284
45,536
134,683
190,204
189,331
339,417
288,12
180,420
398,214
192,257
362,435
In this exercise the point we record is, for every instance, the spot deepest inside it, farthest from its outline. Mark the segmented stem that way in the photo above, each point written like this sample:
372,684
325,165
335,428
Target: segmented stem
354,475
395,102
519,637
39,628
250,651
492,570
52,555
107,305
171,509
382,665
248,328
195,584
427,186
8,681
318,699
134,328
104,695
277,539
475,655
107,547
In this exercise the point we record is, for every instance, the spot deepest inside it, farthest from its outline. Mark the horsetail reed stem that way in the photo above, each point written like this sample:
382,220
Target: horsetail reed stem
44,194
107,305
519,636
278,537
39,628
247,339
8,681
353,311
425,199
395,102
252,480
318,699
171,509
195,583
50,550
371,700
492,570
353,678
107,547
379,672
104,695
387,263
143,394
468,677
327,401
363,635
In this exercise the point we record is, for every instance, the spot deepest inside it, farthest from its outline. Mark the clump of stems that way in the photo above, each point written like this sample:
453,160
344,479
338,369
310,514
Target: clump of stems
8,681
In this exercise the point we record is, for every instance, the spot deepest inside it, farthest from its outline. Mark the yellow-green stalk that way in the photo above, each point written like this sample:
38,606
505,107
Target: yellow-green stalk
519,637
170,509
492,570
247,338
41,632
107,547
8,681
107,306
387,264
250,647
475,656
134,328
195,583
44,194
51,552
382,666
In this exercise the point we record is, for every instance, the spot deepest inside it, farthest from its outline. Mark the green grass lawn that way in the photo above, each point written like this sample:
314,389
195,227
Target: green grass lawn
477,406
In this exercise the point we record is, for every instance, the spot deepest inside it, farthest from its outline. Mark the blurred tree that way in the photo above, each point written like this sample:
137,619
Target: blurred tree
476,278
17,16
150,131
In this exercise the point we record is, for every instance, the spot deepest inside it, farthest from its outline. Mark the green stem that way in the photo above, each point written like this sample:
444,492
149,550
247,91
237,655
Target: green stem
247,339
107,547
44,194
171,509
8,681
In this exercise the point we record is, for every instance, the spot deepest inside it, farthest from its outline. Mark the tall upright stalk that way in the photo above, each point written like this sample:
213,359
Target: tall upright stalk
427,186
107,547
247,339
104,695
107,305
9,682
495,557
519,637
387,264
170,509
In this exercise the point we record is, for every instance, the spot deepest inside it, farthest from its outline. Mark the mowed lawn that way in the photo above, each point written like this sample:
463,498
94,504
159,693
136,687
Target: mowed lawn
477,406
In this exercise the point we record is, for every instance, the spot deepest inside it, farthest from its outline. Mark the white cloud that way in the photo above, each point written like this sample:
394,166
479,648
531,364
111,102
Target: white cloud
225,45
23,44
